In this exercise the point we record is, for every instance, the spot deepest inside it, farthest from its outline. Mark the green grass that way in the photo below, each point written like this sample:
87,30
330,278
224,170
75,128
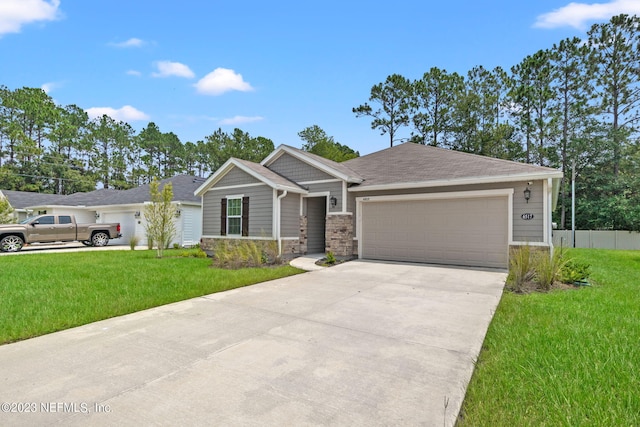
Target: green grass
43,293
564,358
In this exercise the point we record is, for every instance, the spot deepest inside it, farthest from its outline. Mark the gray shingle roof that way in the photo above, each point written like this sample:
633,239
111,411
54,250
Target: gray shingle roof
183,188
23,199
413,163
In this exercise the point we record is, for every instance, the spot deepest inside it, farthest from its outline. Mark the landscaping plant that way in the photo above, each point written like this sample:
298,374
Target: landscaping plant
564,358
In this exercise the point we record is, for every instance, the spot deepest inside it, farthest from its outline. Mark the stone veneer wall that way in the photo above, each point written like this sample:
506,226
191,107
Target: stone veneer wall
290,247
303,234
339,235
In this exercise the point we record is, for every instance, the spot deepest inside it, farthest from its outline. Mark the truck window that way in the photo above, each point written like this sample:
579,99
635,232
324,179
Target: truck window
64,219
46,220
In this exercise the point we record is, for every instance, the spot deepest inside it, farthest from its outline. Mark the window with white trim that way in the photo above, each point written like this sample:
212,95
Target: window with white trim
234,216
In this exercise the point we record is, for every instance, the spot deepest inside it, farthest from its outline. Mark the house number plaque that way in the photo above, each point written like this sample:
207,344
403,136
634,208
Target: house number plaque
526,216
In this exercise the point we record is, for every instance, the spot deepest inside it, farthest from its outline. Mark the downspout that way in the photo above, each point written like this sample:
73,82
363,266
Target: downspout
278,211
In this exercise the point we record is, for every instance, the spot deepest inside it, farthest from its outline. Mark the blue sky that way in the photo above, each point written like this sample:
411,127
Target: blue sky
268,68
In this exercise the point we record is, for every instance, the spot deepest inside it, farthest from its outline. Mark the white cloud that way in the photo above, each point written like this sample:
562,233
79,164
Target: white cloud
168,68
578,14
237,120
50,86
125,114
132,42
222,80
16,13
134,73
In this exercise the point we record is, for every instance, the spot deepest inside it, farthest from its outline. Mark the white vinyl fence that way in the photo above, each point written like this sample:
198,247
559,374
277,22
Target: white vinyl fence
598,239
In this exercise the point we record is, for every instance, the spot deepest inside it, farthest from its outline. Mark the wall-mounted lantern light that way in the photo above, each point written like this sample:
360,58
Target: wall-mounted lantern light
333,201
178,213
527,194
97,215
136,214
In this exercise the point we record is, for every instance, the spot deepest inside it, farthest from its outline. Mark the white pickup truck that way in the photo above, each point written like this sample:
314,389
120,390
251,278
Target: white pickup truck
55,228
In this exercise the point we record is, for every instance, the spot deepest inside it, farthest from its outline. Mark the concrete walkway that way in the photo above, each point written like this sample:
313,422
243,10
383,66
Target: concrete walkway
307,262
358,344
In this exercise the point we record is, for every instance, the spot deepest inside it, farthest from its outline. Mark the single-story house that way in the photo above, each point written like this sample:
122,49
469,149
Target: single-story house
123,206
406,203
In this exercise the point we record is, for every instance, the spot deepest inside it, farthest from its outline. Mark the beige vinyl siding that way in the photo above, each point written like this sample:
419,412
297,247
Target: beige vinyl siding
523,230
334,189
297,170
236,177
260,210
290,216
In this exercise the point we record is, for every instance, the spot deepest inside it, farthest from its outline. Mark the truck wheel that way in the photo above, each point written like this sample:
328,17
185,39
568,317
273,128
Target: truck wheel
11,244
100,239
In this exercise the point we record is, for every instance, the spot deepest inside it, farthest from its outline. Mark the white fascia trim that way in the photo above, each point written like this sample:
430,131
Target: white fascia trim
321,181
433,196
504,192
321,194
541,244
274,214
344,196
462,181
339,213
289,238
316,164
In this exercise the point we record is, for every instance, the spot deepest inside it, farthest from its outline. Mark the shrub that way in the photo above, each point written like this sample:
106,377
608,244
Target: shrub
236,254
192,253
133,242
176,246
574,271
547,269
530,271
520,269
330,258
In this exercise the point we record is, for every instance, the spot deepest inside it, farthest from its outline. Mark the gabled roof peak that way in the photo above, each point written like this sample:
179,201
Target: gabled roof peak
338,170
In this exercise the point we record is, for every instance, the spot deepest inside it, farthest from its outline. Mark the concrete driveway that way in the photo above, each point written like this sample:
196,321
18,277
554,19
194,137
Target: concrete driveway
362,343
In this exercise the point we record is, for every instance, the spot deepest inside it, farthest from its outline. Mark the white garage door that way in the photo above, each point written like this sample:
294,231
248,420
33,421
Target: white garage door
470,232
127,225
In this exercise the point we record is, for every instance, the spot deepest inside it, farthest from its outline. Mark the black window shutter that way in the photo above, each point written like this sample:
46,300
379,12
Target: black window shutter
223,217
245,216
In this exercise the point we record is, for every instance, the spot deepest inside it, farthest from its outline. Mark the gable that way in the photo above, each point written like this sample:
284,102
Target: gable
235,177
296,170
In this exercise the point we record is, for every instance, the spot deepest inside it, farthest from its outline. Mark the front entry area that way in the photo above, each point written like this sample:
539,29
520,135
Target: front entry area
316,223
459,231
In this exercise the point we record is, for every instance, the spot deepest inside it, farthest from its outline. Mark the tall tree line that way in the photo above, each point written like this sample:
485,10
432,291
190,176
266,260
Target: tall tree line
50,148
573,105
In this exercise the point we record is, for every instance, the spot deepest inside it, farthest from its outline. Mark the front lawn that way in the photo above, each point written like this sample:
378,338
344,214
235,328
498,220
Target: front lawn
566,357
43,293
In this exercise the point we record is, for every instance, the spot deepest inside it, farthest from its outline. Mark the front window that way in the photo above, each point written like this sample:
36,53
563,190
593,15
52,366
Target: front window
46,220
234,216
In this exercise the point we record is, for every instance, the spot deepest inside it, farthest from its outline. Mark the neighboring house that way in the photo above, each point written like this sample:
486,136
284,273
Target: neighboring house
406,203
123,206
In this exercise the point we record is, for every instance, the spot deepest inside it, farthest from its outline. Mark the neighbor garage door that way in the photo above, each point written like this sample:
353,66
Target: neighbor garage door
461,231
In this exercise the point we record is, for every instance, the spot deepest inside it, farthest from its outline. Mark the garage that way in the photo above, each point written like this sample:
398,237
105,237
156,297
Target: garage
467,231
126,224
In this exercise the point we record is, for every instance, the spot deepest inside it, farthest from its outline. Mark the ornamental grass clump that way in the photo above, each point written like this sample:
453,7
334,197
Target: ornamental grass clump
235,254
520,271
537,270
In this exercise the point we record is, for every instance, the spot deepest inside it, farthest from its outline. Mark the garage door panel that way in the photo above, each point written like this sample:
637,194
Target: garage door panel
450,231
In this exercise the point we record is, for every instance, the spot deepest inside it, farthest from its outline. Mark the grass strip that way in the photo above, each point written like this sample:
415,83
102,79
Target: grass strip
44,293
564,357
